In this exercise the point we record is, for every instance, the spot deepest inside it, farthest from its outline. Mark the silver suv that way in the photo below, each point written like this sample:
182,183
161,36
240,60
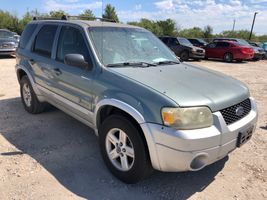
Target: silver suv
149,110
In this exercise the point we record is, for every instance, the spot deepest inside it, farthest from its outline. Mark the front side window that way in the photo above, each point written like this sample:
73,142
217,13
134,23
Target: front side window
71,41
119,45
44,40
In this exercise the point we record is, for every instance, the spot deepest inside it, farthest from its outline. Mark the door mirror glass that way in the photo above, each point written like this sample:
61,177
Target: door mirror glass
76,60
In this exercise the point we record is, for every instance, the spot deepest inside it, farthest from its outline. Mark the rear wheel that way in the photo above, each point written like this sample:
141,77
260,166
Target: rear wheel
123,149
228,57
184,55
29,98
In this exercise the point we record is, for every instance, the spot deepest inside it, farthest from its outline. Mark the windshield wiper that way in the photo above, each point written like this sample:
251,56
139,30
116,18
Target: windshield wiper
167,62
132,64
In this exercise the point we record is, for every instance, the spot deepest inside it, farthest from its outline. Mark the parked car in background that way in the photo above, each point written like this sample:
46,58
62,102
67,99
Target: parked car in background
264,46
258,51
8,43
183,48
229,51
255,44
198,42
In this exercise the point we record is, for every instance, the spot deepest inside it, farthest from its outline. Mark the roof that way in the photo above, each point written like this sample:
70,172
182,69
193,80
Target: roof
88,23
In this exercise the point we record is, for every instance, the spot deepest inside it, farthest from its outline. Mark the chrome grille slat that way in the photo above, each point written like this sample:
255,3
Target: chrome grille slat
229,114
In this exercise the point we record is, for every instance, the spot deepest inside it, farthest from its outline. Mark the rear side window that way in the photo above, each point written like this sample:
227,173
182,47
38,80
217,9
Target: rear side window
44,40
26,35
71,41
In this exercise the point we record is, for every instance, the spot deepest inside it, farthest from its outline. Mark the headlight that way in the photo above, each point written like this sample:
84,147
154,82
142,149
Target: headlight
187,118
194,49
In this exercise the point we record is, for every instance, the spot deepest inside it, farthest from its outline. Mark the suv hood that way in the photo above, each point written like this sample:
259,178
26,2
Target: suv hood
189,85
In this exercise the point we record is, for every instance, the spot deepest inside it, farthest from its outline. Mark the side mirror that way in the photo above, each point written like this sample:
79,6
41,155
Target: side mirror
76,60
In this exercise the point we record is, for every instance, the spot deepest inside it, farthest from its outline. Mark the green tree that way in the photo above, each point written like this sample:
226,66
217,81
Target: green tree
168,27
57,13
194,32
243,34
208,31
149,25
87,13
110,13
9,21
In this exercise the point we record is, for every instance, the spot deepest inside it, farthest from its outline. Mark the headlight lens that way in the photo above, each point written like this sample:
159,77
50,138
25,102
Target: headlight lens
194,49
187,118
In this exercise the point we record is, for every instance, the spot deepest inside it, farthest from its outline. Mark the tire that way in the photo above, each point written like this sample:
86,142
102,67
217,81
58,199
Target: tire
134,154
228,57
29,98
184,55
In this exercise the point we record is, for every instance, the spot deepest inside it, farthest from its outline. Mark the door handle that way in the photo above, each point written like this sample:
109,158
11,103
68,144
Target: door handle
57,71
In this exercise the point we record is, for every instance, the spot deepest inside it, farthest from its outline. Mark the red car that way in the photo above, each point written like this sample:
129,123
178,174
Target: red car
228,51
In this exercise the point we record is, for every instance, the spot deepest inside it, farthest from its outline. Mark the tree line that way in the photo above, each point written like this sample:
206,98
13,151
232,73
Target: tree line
161,27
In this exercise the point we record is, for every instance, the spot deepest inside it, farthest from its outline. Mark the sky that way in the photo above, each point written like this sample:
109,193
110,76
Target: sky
187,13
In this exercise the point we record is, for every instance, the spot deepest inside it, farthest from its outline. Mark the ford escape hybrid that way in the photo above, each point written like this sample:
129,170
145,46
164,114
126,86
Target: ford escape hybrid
149,110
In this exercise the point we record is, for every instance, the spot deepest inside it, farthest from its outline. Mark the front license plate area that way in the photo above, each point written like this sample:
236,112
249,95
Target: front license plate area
244,136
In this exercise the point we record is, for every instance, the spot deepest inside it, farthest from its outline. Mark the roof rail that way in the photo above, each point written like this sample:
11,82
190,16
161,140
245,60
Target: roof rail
67,17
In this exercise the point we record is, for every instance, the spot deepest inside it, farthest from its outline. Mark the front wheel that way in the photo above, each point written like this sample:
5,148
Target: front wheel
184,55
123,149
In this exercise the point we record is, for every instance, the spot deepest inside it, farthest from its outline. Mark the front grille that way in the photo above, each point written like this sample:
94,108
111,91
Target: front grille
232,114
6,46
200,51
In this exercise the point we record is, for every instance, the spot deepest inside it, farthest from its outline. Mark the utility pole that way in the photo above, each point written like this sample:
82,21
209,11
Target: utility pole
252,26
233,26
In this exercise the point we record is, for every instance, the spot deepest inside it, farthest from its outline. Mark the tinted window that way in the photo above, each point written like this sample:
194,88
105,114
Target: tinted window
71,41
173,41
222,44
26,35
44,40
165,40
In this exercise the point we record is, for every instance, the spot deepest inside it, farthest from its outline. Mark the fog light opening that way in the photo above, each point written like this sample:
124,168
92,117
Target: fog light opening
199,162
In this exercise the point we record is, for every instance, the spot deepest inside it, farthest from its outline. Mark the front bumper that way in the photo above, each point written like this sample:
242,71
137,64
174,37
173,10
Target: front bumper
7,51
258,56
191,150
197,55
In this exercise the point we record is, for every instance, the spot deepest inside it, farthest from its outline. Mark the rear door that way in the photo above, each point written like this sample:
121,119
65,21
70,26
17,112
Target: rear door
40,58
221,49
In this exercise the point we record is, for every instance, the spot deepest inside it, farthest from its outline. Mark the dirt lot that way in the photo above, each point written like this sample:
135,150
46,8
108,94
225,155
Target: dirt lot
53,156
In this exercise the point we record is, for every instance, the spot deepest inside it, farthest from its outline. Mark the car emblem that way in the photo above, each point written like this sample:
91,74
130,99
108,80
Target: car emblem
239,111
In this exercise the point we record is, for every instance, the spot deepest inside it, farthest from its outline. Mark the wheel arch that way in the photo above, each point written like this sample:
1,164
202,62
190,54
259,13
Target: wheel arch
111,105
23,71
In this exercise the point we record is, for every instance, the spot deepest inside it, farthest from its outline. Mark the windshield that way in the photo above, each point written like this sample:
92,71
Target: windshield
243,42
6,34
184,41
128,45
203,41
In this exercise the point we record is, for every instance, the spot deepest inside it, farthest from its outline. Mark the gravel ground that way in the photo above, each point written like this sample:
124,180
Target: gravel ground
53,156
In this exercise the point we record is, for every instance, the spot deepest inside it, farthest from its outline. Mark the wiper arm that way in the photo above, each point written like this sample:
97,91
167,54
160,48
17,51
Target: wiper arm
166,62
133,64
